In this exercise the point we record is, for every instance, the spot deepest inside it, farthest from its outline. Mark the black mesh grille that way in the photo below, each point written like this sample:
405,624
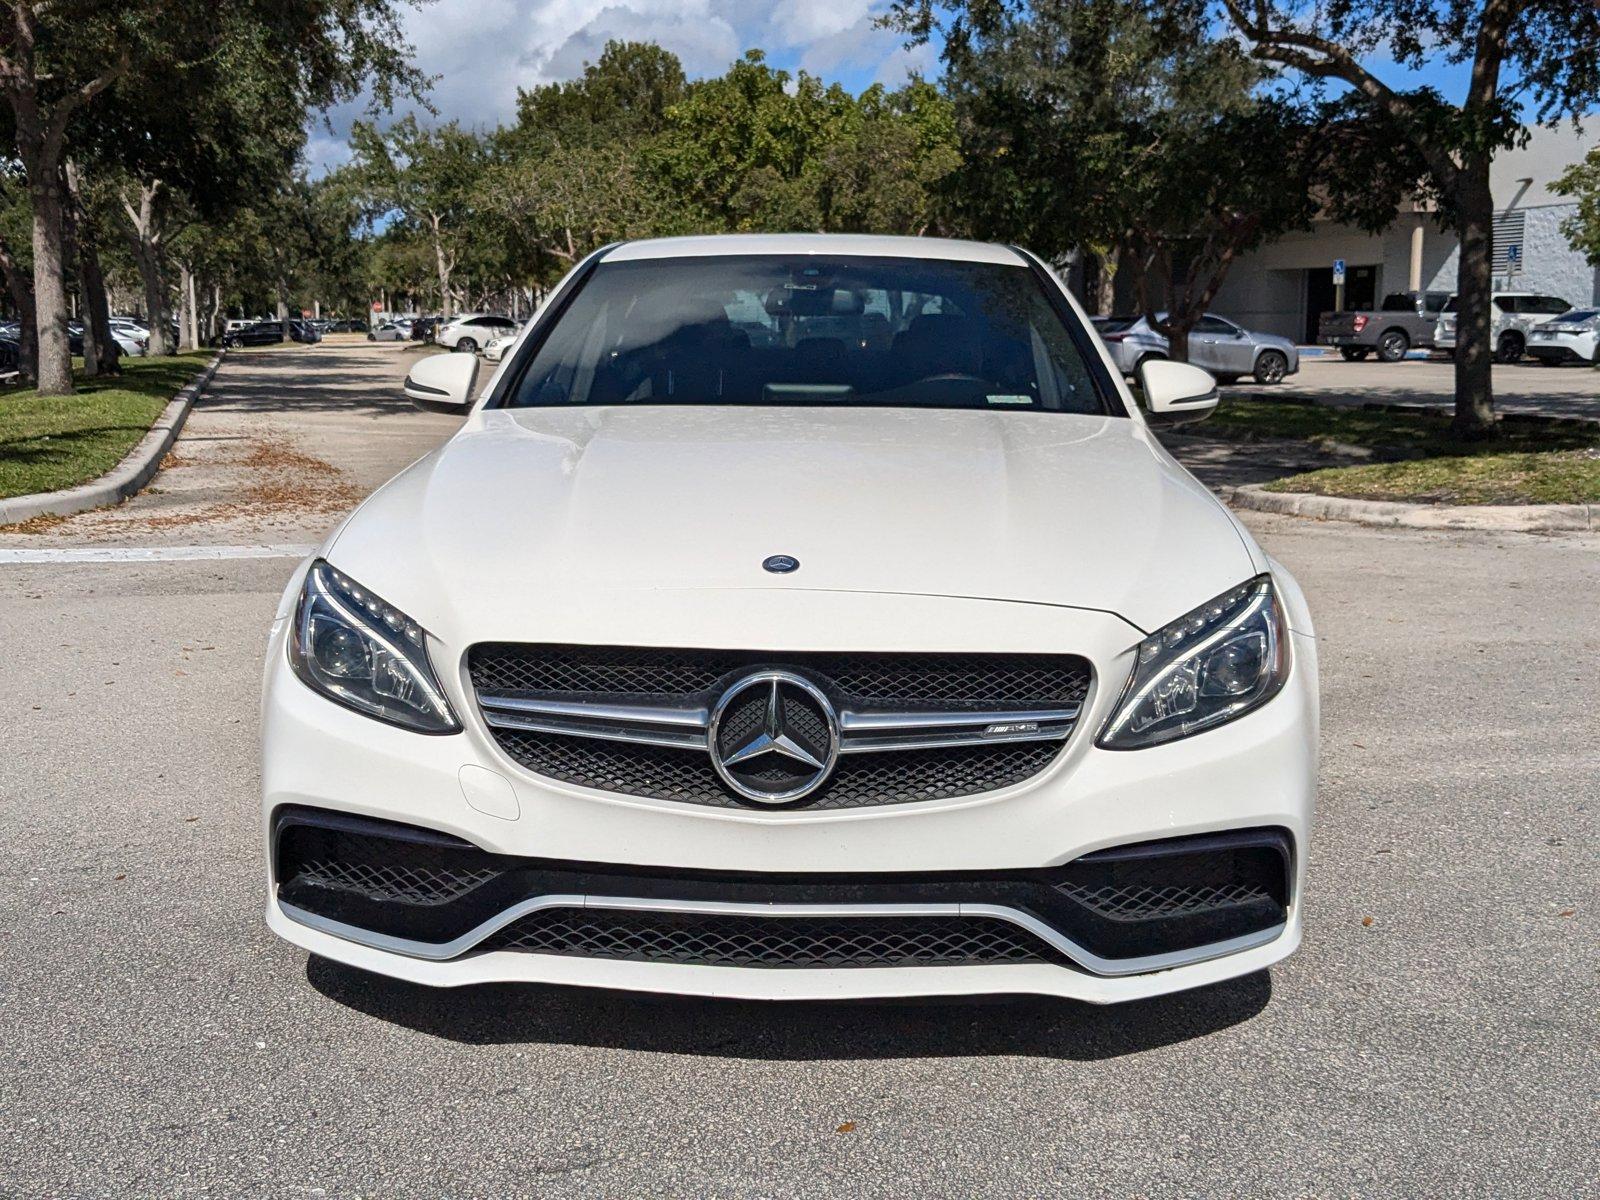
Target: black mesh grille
1152,894
369,867
866,681
745,941
859,780
909,681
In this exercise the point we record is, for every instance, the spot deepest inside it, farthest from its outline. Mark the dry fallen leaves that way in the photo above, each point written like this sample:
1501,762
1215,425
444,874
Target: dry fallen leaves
847,1127
1366,921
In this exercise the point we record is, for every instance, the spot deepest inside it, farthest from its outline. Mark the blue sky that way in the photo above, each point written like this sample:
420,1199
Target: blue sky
483,50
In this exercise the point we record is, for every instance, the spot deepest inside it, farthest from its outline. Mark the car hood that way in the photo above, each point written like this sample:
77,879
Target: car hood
584,506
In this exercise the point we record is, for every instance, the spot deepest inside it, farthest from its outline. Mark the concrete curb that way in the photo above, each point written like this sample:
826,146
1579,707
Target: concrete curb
1501,518
129,475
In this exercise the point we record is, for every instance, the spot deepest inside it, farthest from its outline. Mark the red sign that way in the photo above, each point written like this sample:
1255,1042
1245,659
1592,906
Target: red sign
377,306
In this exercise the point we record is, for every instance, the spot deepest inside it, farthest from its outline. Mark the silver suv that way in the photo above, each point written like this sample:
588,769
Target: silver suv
1512,315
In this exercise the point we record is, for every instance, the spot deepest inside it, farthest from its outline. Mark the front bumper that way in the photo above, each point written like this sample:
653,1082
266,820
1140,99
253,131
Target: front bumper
1562,347
1255,774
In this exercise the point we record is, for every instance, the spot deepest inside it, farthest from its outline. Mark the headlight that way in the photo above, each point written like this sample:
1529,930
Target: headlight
365,654
1206,668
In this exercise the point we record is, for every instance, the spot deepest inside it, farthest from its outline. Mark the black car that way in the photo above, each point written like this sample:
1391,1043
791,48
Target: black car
262,333
423,328
304,331
348,325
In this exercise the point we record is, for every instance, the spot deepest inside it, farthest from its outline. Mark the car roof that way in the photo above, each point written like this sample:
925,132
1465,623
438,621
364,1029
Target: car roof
865,245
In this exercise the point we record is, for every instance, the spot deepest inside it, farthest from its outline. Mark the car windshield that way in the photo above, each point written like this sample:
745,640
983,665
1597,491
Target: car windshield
1399,302
781,330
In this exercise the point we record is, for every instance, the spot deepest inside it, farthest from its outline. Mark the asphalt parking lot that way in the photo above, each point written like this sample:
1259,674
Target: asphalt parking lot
1435,1035
1526,386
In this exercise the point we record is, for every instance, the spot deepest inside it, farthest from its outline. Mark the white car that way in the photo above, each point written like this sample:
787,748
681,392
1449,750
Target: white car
390,331
496,347
795,617
1574,336
1512,317
471,332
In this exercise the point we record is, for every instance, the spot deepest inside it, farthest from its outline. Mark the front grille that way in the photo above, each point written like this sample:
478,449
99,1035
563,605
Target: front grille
369,867
912,681
1145,900
858,682
859,781
716,939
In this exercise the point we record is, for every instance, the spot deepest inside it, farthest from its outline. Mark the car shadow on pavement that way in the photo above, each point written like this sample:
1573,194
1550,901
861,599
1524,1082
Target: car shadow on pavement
498,1014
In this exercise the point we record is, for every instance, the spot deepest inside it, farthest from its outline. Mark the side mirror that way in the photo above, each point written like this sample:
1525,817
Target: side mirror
443,382
1176,393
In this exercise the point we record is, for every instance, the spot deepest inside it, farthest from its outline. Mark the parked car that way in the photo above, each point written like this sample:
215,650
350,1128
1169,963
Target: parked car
1216,344
257,333
304,331
389,331
132,340
1512,316
472,331
905,608
1404,322
495,348
10,352
348,325
1574,336
423,328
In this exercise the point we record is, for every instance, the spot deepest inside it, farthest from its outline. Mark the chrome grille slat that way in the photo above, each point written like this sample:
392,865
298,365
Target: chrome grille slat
896,705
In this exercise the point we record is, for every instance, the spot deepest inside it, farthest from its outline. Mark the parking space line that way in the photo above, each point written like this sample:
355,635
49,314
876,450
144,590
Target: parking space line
146,554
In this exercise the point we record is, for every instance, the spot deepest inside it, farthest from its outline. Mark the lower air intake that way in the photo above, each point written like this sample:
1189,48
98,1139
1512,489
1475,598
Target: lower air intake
710,939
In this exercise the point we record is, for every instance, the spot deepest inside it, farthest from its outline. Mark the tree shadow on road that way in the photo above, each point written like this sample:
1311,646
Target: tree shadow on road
496,1014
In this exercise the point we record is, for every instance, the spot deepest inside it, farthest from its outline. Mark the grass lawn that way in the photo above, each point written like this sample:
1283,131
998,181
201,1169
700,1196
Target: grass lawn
1555,477
51,442
1529,462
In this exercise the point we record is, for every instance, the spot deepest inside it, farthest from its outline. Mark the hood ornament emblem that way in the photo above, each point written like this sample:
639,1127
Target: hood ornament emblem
774,737
780,564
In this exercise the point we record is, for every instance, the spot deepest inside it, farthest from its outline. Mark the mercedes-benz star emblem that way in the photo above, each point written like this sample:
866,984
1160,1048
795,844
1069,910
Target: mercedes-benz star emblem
780,564
774,737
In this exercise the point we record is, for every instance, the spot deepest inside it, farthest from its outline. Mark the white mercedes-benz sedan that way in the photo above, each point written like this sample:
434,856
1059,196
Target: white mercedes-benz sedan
795,617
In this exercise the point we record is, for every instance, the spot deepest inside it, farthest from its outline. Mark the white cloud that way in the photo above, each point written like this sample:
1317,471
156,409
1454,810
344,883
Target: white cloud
482,51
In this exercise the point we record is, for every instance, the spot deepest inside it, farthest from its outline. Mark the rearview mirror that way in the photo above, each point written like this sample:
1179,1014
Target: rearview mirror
443,382
1176,393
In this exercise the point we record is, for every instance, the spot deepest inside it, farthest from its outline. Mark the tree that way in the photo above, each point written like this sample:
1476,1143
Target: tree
755,149
59,60
1582,182
1122,129
428,177
1544,53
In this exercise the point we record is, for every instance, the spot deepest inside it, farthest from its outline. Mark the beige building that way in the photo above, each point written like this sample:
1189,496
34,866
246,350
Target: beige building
1284,286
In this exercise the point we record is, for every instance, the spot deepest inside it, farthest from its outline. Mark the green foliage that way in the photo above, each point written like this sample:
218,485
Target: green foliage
750,152
1581,181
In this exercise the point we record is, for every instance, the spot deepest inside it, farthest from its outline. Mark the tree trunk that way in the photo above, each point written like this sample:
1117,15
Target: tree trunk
49,281
155,296
1106,283
101,354
192,329
214,316
1474,290
72,249
21,288
185,308
97,309
446,265
147,254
